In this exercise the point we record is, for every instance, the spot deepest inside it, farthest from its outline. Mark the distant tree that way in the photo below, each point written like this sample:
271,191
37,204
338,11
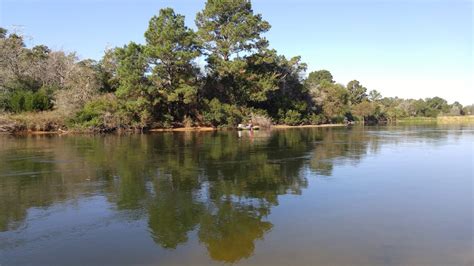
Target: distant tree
436,105
31,76
315,86
316,77
374,96
281,85
420,107
430,107
468,109
357,92
13,66
363,109
81,85
3,33
331,99
456,109
107,70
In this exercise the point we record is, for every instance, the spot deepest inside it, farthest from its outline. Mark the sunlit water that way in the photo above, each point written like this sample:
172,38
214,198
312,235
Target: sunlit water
399,195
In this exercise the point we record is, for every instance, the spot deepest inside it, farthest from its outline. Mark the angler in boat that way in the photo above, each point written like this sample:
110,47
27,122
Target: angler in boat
249,126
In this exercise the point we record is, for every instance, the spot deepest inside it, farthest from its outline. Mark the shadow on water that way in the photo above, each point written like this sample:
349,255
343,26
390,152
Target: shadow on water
222,185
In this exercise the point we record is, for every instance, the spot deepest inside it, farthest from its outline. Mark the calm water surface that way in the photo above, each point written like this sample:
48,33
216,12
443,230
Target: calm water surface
399,195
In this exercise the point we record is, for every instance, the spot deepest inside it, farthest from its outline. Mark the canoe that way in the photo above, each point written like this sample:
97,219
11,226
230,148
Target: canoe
248,128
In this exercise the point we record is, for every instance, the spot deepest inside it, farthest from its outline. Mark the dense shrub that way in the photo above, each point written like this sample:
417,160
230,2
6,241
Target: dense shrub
292,118
317,119
218,113
338,119
100,114
27,101
17,101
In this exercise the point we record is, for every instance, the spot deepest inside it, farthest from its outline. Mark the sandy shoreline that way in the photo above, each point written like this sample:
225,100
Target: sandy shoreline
203,129
443,119
180,129
306,126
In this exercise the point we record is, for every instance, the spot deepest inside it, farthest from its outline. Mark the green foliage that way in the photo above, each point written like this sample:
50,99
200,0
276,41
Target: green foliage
364,109
436,106
137,96
431,107
332,99
107,71
288,92
229,27
17,101
357,92
316,77
99,114
42,99
317,119
468,109
3,33
171,48
218,113
375,95
326,97
230,34
28,101
292,118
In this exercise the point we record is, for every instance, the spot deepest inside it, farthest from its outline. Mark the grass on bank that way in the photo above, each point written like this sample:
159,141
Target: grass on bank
439,119
47,121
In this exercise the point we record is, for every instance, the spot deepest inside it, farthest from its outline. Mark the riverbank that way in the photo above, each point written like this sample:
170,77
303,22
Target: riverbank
439,119
54,123
306,126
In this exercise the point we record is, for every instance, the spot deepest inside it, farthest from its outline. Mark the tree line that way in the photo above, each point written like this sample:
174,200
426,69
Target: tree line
160,84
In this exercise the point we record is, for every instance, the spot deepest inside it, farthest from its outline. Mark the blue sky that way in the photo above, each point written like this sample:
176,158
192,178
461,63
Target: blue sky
411,49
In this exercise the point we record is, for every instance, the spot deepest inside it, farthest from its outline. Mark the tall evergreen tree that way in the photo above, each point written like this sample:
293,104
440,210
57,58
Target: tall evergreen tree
230,32
136,95
229,27
171,48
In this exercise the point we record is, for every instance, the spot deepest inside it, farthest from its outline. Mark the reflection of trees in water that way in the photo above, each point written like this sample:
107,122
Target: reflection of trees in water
37,171
335,146
218,184
224,185
230,231
172,213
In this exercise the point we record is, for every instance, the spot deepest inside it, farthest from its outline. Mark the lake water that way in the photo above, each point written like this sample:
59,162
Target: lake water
396,195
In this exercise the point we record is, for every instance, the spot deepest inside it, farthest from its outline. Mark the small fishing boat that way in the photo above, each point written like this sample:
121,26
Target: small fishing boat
243,127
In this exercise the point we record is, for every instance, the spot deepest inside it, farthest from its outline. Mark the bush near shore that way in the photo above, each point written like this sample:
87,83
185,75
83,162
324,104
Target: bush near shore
48,121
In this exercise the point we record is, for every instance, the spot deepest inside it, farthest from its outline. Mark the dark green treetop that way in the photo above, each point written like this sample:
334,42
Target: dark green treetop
228,27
